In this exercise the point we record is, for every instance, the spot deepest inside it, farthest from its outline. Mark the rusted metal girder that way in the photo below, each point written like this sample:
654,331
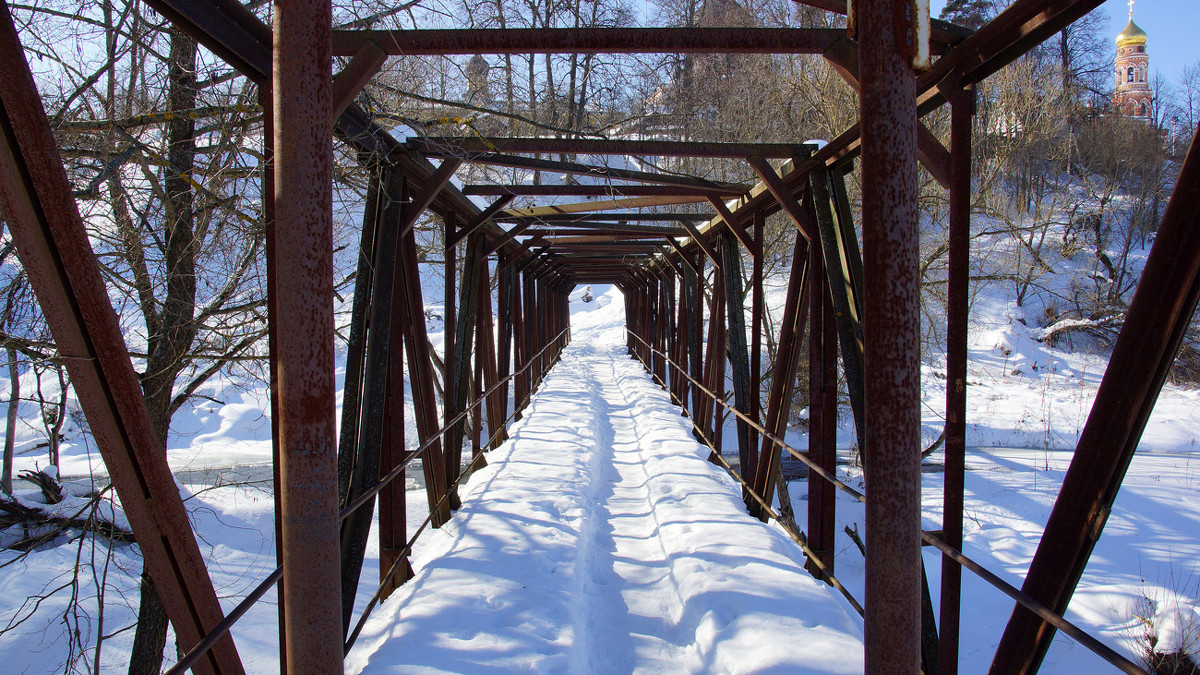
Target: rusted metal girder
53,246
822,417
844,272
592,170
701,241
449,353
783,379
467,145
346,85
892,450
598,190
486,215
932,154
738,353
1158,317
590,41
756,329
619,219
505,282
456,397
962,109
266,98
600,205
585,236
489,377
735,226
393,506
420,364
304,276
1019,28
226,28
365,392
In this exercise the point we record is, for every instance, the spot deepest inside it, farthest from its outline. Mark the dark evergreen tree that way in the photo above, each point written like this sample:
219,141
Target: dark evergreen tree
969,13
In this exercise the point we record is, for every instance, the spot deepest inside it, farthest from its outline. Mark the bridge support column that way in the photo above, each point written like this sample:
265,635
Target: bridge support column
783,379
739,357
962,109
304,333
892,450
822,413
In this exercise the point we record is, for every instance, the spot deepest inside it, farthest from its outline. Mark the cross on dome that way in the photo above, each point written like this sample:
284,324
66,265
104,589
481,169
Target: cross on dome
1131,10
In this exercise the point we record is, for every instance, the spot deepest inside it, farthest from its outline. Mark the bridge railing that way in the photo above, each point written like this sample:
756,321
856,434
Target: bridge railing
223,627
931,538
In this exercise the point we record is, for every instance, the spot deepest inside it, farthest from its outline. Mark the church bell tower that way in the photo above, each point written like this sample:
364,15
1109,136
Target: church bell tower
1132,96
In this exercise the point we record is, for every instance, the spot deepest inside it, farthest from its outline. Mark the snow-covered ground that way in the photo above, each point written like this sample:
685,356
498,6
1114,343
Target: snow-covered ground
1027,403
600,540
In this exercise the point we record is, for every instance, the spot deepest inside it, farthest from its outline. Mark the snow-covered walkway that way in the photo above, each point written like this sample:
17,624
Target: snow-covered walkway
600,540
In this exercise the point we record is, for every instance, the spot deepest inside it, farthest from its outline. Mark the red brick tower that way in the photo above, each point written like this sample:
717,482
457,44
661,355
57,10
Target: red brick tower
1132,95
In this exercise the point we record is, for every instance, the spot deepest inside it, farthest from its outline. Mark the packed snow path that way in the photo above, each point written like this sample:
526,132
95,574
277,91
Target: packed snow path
600,540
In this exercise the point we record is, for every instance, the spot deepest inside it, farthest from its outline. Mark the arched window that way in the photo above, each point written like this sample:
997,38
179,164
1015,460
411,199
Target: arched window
1129,74
1141,49
1142,110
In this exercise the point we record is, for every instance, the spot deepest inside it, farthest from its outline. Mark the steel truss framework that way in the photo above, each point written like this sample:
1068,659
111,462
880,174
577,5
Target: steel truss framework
861,299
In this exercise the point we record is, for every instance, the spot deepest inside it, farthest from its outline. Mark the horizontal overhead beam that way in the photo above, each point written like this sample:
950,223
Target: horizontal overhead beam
604,146
593,170
590,41
588,219
597,190
601,205
626,232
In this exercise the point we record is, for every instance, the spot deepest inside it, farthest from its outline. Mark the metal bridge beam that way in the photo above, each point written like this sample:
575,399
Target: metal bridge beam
53,246
304,326
892,347
590,41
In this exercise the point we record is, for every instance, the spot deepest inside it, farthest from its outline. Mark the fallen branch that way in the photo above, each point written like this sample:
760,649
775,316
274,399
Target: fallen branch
853,534
13,512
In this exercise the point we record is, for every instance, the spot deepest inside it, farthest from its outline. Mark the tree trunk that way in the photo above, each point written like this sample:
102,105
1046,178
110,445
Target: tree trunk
177,326
10,427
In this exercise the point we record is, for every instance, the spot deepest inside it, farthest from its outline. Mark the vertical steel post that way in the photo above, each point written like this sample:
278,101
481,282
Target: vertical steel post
420,362
304,332
892,352
739,357
822,413
370,379
783,378
487,345
756,327
449,354
504,334
266,99
962,108
393,504
695,318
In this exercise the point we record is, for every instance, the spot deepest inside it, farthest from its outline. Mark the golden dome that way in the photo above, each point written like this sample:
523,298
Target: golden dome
1132,35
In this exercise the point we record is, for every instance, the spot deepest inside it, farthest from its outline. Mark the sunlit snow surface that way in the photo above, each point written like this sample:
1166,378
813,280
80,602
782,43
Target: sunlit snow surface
600,540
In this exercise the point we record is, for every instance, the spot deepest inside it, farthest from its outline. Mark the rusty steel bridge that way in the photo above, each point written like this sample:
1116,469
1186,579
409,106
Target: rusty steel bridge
686,325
